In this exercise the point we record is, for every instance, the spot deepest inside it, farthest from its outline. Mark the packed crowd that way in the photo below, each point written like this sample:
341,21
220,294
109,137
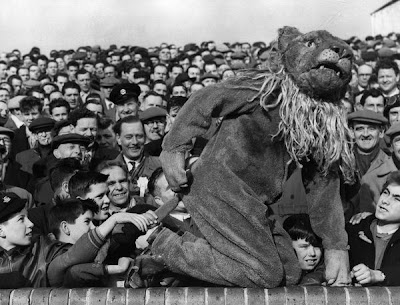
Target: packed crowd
81,132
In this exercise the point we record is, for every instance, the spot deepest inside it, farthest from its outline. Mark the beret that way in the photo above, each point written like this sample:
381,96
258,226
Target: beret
10,204
209,75
7,132
41,124
110,81
394,129
367,116
73,138
152,112
14,102
123,92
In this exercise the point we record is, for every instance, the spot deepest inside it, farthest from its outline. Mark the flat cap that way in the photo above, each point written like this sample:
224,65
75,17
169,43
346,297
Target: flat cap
7,132
385,52
369,55
123,92
73,138
10,204
110,81
13,103
223,48
79,56
209,75
41,124
393,130
32,83
152,112
367,116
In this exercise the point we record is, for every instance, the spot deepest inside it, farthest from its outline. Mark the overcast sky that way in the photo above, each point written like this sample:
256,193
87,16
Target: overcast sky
63,24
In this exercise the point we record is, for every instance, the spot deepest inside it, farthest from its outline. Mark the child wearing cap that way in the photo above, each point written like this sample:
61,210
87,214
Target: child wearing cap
41,262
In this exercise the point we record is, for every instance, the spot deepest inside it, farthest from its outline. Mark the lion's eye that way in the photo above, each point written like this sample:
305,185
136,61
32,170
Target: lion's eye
310,44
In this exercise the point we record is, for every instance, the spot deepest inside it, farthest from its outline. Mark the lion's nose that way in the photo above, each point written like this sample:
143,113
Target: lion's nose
328,55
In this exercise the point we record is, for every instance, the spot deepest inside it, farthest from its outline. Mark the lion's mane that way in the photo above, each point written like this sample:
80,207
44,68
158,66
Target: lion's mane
309,127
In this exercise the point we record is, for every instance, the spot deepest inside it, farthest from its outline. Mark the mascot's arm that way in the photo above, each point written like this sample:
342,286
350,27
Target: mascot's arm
194,120
327,220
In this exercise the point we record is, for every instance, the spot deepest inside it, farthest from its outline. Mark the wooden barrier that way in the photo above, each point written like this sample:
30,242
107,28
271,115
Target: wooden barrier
203,296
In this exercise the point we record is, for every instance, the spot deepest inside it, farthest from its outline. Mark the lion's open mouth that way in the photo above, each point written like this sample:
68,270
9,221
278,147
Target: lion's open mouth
332,67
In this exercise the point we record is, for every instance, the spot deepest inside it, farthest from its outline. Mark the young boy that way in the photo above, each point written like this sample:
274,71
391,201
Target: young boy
308,248
25,262
69,220
374,242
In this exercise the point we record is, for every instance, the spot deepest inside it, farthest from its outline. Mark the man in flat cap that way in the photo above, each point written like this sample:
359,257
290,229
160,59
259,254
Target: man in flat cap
106,86
368,128
373,181
125,97
41,130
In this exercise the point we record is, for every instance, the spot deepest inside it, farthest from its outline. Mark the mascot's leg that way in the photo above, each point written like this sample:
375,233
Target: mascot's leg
194,256
327,220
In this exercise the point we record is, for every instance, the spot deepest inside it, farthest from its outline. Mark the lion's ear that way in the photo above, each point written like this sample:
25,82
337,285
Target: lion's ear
286,35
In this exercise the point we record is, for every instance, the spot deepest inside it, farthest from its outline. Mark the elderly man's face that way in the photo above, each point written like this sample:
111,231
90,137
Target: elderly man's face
367,136
154,128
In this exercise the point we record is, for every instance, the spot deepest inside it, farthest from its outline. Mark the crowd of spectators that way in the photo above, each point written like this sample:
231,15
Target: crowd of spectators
80,136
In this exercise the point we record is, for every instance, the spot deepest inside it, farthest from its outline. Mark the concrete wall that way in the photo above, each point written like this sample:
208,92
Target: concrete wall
386,20
202,296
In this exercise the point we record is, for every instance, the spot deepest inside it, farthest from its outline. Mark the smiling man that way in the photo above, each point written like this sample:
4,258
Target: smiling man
388,77
131,138
118,186
367,128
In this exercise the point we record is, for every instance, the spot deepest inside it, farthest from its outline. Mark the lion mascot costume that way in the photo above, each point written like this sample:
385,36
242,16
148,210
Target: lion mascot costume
270,121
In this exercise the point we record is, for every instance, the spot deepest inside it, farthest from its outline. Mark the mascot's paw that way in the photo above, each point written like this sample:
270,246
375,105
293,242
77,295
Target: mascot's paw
174,169
337,272
145,271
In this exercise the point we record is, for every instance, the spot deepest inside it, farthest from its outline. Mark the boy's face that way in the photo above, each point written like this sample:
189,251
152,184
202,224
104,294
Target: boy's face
173,112
82,225
388,207
308,255
17,231
30,115
98,192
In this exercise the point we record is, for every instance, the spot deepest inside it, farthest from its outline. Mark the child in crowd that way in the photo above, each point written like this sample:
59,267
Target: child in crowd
69,220
374,242
42,262
308,248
